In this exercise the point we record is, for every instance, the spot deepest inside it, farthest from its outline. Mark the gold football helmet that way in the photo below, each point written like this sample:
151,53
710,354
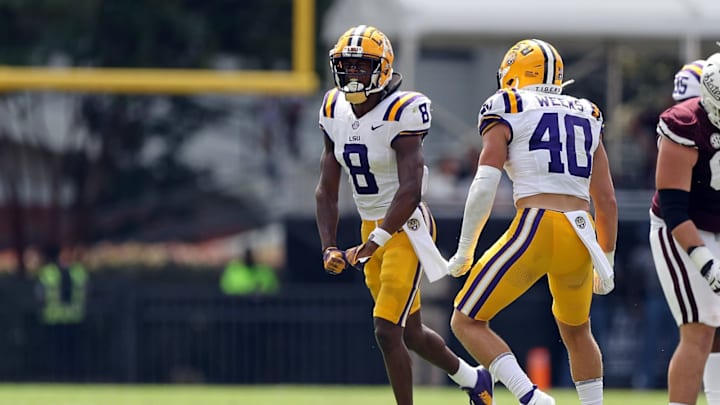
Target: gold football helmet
532,64
368,44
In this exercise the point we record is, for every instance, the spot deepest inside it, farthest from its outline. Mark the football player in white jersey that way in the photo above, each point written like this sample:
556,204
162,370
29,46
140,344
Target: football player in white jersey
374,131
687,81
551,148
685,235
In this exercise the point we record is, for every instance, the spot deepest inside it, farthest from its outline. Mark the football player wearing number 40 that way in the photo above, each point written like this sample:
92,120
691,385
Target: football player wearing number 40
550,146
685,234
374,131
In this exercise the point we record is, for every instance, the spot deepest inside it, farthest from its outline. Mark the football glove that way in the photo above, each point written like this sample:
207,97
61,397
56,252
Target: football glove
334,260
602,286
459,265
711,272
708,265
358,255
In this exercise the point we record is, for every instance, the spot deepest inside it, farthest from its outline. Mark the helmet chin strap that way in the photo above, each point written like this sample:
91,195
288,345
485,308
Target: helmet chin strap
544,88
357,97
355,92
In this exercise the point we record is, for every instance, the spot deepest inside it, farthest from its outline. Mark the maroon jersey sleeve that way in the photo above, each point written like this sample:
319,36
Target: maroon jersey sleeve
687,124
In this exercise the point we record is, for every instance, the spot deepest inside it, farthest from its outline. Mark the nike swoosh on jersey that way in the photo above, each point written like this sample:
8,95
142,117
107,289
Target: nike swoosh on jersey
374,127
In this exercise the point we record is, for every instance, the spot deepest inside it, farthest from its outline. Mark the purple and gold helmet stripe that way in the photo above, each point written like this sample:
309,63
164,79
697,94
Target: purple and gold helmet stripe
494,270
550,62
398,105
329,103
694,68
357,36
512,100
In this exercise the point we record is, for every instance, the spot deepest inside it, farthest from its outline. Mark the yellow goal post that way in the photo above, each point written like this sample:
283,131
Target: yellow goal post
301,79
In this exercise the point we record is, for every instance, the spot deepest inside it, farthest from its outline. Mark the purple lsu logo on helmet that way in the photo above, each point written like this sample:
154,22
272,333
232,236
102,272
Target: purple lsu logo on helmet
352,51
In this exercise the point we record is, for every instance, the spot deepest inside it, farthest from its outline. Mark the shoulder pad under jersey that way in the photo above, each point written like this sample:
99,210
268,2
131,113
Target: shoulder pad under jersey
596,113
504,101
679,123
411,110
327,109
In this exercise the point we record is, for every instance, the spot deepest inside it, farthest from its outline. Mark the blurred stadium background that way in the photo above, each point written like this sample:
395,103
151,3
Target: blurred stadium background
158,163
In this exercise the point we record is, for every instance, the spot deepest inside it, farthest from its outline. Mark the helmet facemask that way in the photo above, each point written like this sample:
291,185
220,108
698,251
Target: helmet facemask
357,45
358,84
713,111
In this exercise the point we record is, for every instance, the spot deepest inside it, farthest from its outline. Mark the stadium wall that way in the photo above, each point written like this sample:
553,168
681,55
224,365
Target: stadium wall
178,327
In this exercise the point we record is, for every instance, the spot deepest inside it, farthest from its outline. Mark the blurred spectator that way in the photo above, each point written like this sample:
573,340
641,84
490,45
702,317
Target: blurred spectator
443,181
468,164
292,110
646,139
630,140
243,277
63,287
269,118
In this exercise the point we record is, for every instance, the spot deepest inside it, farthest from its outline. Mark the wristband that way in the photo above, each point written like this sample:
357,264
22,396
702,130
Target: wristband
379,236
701,255
328,250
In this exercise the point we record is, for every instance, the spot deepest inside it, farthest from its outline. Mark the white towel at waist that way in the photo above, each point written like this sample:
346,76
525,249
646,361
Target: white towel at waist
582,225
434,265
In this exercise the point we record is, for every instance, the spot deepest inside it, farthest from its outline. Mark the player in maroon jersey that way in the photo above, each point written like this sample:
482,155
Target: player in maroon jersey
685,235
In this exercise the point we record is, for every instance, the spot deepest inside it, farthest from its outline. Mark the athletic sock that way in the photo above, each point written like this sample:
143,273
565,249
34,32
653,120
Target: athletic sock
465,376
505,368
711,379
590,392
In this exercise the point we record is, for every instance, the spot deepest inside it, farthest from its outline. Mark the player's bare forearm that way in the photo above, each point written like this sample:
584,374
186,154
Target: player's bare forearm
326,198
602,193
403,204
326,213
687,235
410,165
326,217
606,221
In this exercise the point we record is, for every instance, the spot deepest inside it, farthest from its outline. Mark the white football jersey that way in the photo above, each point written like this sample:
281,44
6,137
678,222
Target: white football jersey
553,139
363,145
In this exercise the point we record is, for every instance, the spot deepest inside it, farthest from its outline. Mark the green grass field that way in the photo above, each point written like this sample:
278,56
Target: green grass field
34,394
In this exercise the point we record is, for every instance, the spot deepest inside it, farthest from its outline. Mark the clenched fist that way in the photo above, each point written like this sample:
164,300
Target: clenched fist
358,255
334,260
459,265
